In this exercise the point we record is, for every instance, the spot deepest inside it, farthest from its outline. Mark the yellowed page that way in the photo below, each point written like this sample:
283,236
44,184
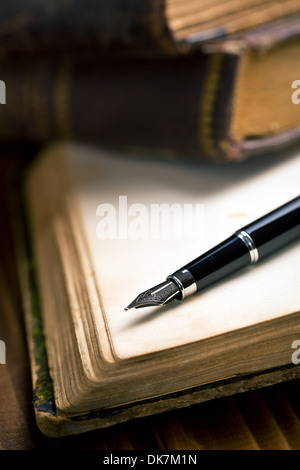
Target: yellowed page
232,196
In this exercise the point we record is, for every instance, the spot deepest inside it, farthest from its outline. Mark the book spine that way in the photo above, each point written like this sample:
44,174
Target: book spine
173,107
122,104
85,27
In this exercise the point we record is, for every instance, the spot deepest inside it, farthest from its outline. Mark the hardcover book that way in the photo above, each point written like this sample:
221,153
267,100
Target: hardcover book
165,27
231,101
93,243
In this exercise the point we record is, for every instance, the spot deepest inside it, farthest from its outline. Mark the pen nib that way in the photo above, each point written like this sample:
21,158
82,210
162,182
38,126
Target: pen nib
156,296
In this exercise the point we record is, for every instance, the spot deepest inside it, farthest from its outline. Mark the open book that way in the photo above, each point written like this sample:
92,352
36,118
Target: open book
98,242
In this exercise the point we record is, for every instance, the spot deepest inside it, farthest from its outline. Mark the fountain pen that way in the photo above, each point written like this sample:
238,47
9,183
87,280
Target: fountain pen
247,246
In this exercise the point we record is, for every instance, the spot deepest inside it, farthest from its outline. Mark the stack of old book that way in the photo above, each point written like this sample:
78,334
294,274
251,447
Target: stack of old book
184,84
180,77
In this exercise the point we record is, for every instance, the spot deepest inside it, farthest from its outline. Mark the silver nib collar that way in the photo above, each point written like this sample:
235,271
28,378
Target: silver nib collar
185,282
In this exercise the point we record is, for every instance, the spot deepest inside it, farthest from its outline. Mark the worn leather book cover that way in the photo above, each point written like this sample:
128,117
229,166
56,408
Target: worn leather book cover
224,103
130,27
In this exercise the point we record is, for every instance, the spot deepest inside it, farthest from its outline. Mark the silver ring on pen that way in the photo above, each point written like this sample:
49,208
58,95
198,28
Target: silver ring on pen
185,282
247,239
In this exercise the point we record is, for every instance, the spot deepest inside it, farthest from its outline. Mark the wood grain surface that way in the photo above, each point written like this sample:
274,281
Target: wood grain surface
263,419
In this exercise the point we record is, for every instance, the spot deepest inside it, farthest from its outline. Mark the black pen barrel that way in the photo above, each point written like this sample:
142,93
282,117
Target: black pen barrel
248,245
276,229
224,259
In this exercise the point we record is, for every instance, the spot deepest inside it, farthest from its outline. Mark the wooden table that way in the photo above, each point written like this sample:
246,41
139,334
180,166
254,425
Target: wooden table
264,419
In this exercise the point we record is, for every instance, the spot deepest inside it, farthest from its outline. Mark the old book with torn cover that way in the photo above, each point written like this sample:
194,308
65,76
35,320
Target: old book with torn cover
231,101
95,240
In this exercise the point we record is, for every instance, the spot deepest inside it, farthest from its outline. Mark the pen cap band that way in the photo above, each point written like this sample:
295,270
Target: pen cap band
185,282
253,251
276,229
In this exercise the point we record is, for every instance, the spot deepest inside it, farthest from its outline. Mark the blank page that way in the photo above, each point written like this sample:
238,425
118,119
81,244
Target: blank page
228,197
